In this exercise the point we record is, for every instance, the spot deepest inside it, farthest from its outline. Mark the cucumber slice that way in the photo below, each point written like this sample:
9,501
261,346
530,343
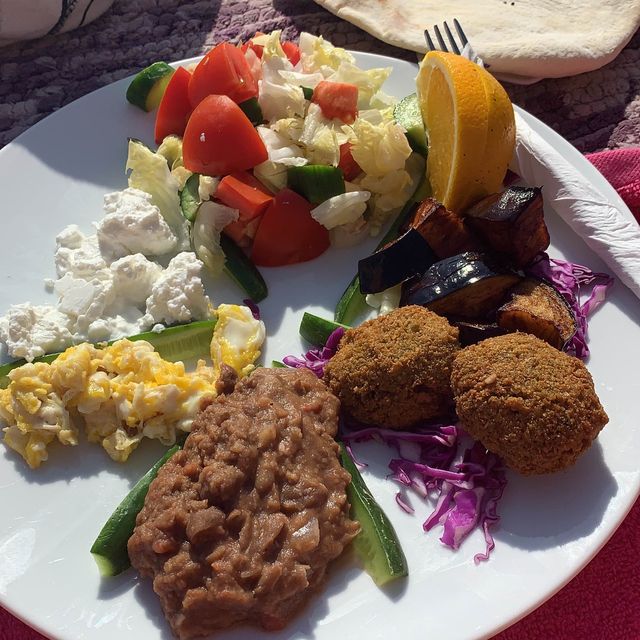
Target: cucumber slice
110,547
190,197
407,113
317,330
377,544
252,110
242,270
147,88
316,182
307,92
352,301
182,342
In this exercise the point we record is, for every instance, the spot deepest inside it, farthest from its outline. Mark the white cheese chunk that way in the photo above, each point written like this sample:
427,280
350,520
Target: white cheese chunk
133,279
133,224
178,294
30,331
77,254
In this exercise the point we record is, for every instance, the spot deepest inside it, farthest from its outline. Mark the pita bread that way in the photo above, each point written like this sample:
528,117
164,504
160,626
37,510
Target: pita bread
527,38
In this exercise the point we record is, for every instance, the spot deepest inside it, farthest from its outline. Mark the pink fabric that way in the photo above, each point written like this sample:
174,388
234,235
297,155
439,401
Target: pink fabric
621,167
602,601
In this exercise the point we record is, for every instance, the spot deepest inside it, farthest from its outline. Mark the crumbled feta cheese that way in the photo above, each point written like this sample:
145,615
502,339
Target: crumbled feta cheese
133,278
133,224
178,294
77,254
30,331
84,300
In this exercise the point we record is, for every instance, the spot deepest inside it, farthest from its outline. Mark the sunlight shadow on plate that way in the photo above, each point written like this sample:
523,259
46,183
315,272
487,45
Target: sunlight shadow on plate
551,510
84,460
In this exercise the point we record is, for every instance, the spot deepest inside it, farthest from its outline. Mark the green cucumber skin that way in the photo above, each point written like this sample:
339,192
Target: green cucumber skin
190,197
161,342
352,301
307,92
407,114
242,270
143,82
111,544
316,330
316,182
377,535
251,108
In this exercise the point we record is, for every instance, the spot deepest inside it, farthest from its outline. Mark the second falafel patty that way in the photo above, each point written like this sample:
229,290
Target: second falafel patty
529,403
393,371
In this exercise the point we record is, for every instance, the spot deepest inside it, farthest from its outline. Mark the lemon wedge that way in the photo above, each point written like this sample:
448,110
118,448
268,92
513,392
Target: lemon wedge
471,129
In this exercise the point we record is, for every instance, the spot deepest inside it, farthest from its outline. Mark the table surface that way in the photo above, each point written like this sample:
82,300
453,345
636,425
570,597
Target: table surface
594,111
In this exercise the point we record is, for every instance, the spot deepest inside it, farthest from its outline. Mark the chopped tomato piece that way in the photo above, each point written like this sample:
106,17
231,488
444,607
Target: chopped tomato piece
292,51
337,100
287,233
223,71
350,168
250,44
242,233
243,192
174,108
220,139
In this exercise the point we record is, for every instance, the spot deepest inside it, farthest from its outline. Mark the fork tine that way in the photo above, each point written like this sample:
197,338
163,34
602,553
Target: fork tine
463,37
454,46
441,41
427,37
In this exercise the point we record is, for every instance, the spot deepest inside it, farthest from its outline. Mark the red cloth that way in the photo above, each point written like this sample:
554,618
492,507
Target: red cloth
601,603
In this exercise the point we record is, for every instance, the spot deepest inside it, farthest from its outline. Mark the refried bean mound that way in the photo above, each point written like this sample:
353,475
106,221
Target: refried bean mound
241,524
393,371
529,403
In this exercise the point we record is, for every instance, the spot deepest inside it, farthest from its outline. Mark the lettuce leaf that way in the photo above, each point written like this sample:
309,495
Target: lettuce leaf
210,220
318,55
368,82
379,149
150,173
344,208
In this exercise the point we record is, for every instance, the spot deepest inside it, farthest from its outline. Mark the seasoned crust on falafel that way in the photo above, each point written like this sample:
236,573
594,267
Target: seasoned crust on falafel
529,403
393,371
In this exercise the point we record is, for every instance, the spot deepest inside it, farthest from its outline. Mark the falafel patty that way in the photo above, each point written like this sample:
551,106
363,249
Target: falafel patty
393,371
527,402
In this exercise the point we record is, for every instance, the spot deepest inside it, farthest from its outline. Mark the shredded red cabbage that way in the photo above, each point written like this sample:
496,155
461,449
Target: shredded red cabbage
253,307
316,359
467,489
569,279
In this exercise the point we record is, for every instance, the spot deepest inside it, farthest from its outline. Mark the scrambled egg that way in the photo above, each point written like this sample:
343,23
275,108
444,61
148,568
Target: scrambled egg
120,393
237,339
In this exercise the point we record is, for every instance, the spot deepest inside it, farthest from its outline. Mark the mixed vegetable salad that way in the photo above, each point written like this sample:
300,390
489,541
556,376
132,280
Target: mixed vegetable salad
276,151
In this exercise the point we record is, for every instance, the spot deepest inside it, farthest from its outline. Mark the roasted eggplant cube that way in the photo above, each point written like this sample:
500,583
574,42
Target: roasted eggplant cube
401,259
444,230
474,332
511,223
537,308
470,285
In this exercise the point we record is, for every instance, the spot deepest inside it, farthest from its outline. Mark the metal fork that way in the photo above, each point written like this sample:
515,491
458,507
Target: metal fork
464,41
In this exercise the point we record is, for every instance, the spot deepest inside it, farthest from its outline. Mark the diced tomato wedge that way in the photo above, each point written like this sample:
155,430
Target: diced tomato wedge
250,44
174,108
337,100
243,192
287,233
350,168
224,71
220,139
292,51
241,232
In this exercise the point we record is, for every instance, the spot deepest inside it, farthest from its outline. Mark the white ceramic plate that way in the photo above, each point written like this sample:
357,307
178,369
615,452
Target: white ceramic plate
55,174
